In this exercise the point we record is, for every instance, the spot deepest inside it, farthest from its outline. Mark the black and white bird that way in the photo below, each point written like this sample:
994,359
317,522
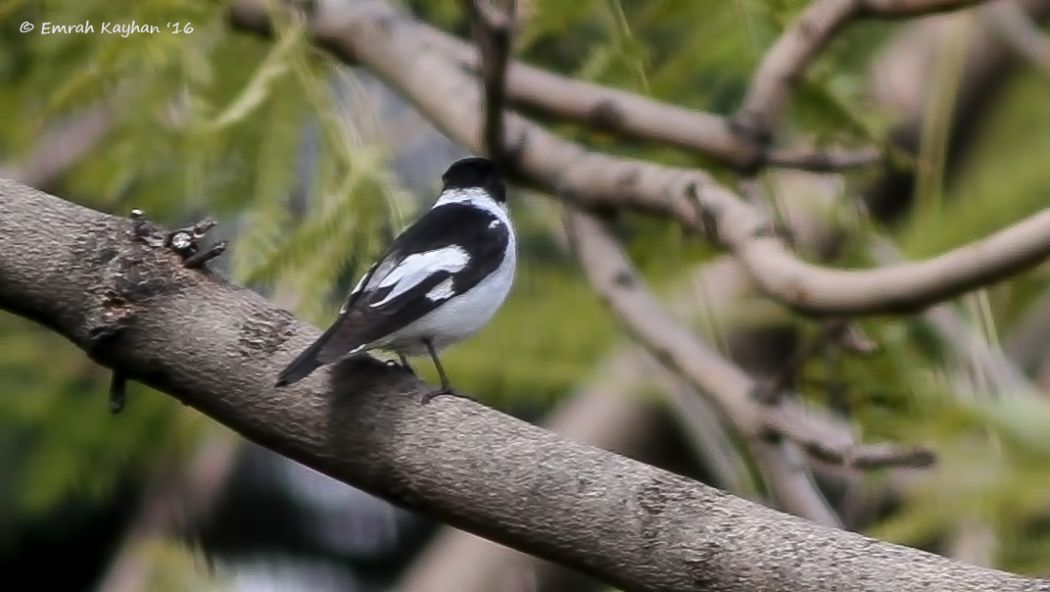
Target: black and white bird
441,280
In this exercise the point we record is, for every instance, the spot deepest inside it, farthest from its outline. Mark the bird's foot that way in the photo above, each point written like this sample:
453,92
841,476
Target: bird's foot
443,392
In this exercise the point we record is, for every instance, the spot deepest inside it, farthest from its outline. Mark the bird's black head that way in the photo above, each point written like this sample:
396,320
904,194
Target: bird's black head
476,172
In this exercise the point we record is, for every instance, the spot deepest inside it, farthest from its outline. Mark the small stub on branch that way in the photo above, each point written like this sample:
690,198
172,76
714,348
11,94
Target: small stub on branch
145,231
186,242
197,259
118,392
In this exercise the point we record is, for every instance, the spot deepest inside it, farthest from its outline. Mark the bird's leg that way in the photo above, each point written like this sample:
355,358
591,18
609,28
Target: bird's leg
404,363
446,386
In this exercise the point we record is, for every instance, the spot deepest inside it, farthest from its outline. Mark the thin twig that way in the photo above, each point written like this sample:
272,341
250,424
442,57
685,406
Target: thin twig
612,275
679,349
770,393
826,161
118,392
783,422
493,30
201,257
903,9
783,65
623,112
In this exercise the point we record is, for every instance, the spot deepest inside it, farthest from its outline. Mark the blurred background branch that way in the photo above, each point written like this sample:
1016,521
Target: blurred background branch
493,35
395,52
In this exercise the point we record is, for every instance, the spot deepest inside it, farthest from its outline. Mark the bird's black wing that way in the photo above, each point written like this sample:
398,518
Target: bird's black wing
376,312
381,304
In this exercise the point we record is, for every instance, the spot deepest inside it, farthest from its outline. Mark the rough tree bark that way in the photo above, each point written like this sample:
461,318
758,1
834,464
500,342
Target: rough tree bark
125,298
606,413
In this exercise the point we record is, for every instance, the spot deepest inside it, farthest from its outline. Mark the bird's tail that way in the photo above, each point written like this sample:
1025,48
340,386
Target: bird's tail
311,358
300,368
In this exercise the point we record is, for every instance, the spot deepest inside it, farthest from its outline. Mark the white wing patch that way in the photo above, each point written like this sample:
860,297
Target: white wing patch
417,267
441,291
360,285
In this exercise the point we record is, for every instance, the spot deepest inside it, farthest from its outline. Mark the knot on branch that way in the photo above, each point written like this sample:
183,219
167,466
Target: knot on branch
108,322
133,273
752,127
144,230
186,242
706,213
607,115
114,313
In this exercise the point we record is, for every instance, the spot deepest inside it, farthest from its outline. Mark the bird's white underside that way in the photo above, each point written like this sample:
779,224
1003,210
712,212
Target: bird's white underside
461,316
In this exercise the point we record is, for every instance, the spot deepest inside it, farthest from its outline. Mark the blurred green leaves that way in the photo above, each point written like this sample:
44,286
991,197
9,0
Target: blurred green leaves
57,438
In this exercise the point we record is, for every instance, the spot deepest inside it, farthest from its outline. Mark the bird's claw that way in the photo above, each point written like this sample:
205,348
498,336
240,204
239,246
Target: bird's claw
443,392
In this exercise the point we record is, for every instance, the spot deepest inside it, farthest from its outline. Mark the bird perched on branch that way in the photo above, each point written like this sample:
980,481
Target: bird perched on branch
441,280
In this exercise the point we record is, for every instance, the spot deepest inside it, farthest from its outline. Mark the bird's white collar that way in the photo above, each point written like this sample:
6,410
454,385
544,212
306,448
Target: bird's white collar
473,196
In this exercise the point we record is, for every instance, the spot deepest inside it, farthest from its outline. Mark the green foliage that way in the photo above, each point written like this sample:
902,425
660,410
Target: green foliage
640,46
209,122
57,439
1003,179
991,471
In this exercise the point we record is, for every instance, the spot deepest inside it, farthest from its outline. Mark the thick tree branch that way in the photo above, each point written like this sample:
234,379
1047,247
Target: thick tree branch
606,412
391,45
132,305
